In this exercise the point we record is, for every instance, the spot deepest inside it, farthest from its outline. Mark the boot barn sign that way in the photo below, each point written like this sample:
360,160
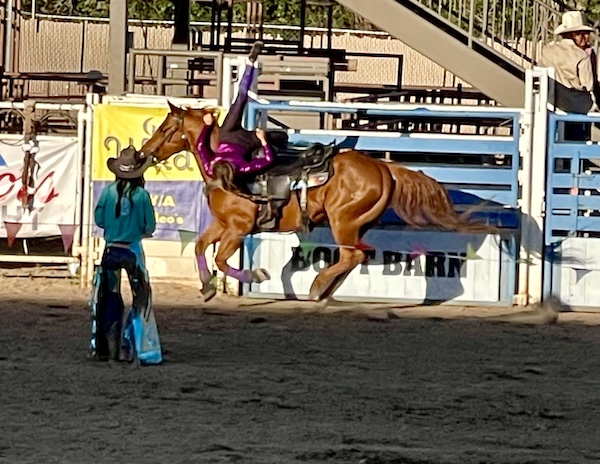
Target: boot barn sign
400,265
52,188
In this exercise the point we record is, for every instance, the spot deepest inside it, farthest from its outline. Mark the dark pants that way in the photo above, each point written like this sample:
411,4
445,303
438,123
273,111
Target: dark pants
232,130
111,308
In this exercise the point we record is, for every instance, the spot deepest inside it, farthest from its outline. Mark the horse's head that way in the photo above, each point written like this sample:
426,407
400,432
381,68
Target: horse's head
179,131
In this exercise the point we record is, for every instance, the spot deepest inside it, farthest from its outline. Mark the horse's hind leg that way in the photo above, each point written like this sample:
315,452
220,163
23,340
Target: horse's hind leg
210,236
230,242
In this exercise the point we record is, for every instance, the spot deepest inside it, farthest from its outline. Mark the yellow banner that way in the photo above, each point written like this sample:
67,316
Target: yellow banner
117,127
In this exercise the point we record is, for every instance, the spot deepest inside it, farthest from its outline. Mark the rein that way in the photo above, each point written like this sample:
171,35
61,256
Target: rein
209,186
168,134
174,129
191,148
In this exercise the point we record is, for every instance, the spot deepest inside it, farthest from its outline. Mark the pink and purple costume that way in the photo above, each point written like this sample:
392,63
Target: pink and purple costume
236,143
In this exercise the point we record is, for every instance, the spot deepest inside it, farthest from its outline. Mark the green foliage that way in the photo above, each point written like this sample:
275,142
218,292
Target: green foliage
59,7
591,8
156,10
286,12
91,8
276,11
138,9
199,12
289,13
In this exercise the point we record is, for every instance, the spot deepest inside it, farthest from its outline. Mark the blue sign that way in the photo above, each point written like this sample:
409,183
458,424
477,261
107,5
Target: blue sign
180,208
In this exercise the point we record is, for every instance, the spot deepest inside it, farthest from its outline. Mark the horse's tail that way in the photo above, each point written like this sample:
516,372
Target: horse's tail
421,201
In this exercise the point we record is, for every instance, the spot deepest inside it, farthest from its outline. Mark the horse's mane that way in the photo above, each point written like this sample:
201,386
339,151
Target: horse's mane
215,110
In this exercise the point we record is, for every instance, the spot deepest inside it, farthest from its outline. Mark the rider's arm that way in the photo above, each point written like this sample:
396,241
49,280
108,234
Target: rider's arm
204,150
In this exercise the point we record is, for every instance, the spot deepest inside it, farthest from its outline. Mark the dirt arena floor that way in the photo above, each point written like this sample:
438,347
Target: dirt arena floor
248,381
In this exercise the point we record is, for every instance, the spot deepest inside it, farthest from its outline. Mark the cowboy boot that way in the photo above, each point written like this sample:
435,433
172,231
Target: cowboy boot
255,51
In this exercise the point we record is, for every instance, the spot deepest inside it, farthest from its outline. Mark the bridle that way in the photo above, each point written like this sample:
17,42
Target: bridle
167,135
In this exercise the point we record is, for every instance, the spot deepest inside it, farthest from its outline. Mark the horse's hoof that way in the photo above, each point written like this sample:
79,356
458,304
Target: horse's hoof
208,292
318,304
314,296
322,303
260,275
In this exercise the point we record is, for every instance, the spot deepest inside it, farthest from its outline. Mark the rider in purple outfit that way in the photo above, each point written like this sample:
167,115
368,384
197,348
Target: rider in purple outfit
236,143
231,159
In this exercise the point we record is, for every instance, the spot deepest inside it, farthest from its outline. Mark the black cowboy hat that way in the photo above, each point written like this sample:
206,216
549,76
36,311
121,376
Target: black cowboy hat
127,165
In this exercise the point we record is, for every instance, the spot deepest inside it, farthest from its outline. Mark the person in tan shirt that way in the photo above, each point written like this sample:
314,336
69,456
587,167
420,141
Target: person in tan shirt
574,71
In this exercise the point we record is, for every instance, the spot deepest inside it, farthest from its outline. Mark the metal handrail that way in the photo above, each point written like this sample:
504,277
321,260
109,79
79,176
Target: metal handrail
163,54
512,29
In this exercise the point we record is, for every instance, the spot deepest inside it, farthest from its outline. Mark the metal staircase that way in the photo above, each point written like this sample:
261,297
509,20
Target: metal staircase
488,43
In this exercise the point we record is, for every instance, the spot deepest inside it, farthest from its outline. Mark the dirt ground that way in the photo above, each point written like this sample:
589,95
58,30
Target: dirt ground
248,381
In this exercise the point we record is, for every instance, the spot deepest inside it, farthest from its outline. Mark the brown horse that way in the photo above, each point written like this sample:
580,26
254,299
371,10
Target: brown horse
359,191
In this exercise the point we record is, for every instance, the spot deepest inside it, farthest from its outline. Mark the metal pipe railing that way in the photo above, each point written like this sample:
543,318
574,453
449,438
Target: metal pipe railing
161,80
514,29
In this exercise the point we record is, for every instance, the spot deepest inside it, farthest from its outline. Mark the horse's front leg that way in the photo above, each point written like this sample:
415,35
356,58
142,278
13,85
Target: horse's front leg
230,242
209,237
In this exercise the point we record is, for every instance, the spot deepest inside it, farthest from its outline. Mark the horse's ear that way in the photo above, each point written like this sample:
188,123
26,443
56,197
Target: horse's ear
174,109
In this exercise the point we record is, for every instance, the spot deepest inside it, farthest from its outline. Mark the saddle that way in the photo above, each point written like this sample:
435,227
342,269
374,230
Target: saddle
294,171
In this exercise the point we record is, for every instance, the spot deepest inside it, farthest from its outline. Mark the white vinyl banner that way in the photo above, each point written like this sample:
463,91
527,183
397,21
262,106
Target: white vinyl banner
402,265
54,186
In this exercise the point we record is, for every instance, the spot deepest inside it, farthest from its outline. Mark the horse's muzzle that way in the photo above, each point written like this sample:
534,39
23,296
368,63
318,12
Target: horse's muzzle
143,156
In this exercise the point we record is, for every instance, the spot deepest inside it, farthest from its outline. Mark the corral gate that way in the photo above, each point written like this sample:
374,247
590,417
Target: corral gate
572,233
55,201
410,266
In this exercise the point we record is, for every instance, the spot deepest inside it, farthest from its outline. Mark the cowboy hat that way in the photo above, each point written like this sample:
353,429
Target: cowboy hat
127,165
572,21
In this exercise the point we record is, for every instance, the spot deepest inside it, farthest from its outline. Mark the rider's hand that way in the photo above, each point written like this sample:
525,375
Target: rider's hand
209,119
262,136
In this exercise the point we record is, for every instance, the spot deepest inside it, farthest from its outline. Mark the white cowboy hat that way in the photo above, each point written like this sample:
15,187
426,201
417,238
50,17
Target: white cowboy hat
572,21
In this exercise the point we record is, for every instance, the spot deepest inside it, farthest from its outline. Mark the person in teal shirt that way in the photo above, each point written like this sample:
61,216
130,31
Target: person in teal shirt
125,212
124,209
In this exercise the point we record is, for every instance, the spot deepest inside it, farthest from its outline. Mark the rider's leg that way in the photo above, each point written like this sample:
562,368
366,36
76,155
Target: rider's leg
233,120
277,139
231,130
255,51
